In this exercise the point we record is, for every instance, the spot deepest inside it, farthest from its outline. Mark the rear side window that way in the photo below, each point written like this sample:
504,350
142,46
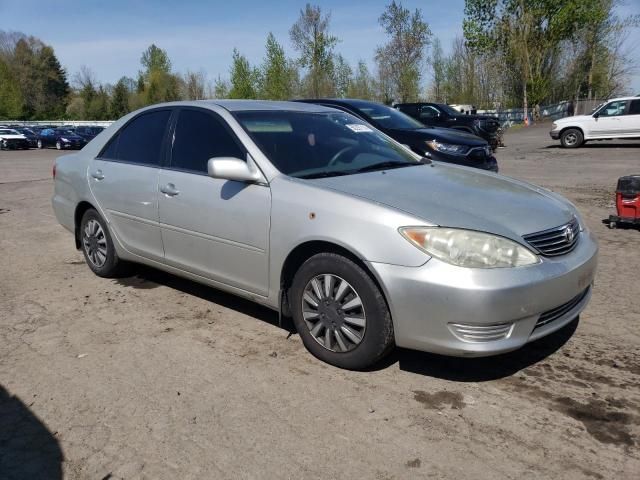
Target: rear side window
140,141
199,136
634,107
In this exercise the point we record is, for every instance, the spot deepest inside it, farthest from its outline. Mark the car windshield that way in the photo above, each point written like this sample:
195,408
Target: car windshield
449,110
312,145
388,117
65,132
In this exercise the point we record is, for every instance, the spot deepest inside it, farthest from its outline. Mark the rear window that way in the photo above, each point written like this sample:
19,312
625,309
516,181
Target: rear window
140,141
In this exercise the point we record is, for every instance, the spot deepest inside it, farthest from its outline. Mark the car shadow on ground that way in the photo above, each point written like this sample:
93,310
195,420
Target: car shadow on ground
148,277
480,369
27,448
438,366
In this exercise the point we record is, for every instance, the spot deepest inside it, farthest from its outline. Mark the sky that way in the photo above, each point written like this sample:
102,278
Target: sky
109,36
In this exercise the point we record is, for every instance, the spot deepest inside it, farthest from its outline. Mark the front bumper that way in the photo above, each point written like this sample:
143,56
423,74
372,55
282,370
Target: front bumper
432,306
555,134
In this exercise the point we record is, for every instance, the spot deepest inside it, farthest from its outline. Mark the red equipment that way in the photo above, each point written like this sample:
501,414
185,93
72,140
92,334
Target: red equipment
627,201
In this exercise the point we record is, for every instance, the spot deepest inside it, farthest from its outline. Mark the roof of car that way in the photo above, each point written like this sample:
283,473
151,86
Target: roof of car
252,105
622,98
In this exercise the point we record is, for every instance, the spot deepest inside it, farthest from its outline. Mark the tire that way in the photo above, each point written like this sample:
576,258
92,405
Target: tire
58,145
571,138
366,335
96,243
40,144
612,225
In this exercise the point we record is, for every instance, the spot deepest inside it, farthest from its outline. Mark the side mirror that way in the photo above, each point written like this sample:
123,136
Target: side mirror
230,168
596,115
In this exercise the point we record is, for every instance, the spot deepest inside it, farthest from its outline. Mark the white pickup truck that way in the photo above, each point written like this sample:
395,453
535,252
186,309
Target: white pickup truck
617,118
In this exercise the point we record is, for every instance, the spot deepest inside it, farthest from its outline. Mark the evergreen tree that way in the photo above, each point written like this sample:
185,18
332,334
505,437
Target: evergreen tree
244,79
120,99
277,82
10,95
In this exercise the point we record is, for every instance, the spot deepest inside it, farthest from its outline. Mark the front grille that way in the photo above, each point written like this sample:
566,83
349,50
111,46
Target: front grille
555,241
553,314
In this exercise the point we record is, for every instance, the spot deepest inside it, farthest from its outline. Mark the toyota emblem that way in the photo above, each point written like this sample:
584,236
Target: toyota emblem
568,233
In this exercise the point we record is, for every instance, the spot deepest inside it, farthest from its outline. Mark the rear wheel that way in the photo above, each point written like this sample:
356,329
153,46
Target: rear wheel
340,313
40,144
97,246
571,138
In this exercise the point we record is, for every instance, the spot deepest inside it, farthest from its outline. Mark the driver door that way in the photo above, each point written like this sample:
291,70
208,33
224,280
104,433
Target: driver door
609,121
215,228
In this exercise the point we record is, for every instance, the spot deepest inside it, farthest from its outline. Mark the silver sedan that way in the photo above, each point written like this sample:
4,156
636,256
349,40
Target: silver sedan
314,213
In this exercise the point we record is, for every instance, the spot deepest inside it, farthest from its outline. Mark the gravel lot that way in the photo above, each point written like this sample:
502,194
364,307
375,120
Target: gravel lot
156,377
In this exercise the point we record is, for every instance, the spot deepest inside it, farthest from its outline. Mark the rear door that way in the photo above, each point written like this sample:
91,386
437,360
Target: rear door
215,228
124,180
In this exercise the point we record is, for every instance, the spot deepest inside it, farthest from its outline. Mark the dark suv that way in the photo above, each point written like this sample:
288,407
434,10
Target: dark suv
440,115
442,144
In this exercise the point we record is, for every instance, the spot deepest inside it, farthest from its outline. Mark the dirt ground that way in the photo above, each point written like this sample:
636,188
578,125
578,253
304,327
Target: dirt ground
156,377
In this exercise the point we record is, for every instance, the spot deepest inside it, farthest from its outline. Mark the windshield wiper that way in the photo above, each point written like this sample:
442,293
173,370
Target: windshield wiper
384,166
323,174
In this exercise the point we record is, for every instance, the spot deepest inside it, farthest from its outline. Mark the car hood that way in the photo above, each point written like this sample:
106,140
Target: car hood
453,196
446,135
8,136
575,118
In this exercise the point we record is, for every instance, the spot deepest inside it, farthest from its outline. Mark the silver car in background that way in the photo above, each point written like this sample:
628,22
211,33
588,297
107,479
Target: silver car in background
312,212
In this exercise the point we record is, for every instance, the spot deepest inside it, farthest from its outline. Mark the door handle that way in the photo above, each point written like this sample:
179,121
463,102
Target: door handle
98,175
169,190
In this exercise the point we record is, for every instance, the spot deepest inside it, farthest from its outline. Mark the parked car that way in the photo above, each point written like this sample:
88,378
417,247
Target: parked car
617,118
440,144
88,132
60,138
12,139
30,135
313,213
445,116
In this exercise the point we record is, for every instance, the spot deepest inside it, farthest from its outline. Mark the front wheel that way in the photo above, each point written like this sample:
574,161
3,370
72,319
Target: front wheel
571,138
340,313
40,144
58,145
97,246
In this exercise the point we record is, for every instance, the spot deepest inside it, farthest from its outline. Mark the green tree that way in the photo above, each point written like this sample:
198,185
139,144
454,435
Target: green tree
342,76
277,75
363,83
10,95
311,38
403,54
244,79
220,88
120,99
155,59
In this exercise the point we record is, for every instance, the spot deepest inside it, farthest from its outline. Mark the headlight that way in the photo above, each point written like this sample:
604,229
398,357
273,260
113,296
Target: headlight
448,148
554,126
64,139
468,248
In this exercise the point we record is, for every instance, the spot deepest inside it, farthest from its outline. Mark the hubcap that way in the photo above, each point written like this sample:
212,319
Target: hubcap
95,243
570,139
334,313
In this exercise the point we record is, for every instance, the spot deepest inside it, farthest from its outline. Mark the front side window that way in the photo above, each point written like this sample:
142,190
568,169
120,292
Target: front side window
312,145
429,112
199,136
140,141
613,109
